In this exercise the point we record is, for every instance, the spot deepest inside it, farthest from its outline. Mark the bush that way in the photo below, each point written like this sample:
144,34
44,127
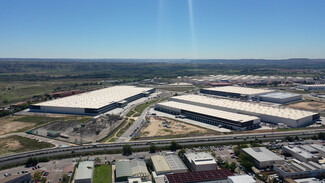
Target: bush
127,150
153,148
174,146
31,161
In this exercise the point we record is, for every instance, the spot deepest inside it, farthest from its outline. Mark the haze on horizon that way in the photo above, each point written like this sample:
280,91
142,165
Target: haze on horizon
162,29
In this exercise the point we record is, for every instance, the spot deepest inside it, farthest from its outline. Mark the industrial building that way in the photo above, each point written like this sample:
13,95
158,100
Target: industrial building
299,153
241,179
281,98
295,169
266,113
200,161
311,87
263,158
235,91
212,116
175,163
319,148
160,164
94,102
135,168
215,176
85,172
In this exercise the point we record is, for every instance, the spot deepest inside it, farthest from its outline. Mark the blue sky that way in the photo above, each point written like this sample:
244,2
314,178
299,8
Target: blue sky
271,29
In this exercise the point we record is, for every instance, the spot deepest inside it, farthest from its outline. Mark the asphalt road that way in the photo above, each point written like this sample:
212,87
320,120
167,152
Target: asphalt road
141,144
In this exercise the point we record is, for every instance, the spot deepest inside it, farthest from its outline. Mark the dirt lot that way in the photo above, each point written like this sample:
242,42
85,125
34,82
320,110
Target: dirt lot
10,124
14,144
159,126
315,106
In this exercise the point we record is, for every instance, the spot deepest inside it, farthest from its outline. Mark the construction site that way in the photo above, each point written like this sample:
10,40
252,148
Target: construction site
78,132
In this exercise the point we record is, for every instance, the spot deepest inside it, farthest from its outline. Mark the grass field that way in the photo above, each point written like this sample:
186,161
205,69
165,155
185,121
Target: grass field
17,144
103,174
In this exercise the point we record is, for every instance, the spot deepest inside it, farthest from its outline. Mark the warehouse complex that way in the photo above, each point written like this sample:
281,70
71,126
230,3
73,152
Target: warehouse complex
288,116
311,87
263,158
85,172
209,115
94,102
234,91
170,163
135,168
299,153
280,98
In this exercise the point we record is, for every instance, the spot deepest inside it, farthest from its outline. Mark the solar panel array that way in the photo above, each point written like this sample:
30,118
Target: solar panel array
199,176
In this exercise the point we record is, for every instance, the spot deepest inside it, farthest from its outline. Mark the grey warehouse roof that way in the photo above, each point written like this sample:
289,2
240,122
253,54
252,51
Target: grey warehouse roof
123,168
208,111
175,162
96,99
240,90
280,95
262,154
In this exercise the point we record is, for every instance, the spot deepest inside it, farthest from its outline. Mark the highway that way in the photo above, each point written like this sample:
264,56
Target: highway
141,144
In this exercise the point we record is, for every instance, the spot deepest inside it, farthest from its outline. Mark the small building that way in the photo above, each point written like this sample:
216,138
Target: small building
210,176
135,168
281,98
295,169
200,161
319,148
85,172
241,179
160,164
53,134
262,157
175,163
299,153
304,180
122,170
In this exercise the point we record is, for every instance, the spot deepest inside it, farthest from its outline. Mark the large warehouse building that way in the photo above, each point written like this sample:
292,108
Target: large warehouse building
288,116
94,102
234,91
208,115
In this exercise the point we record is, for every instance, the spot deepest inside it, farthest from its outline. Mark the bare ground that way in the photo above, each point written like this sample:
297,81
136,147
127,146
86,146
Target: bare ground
156,128
8,124
315,106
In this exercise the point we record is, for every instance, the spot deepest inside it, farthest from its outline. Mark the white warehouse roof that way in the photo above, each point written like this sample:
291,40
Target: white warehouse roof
240,90
280,95
160,164
261,154
200,158
175,162
85,170
249,107
241,179
96,99
208,111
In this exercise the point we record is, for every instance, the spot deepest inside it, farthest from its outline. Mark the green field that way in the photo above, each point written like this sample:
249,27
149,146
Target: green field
103,174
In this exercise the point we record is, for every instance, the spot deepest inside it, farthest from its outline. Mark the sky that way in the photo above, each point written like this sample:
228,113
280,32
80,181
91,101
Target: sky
162,29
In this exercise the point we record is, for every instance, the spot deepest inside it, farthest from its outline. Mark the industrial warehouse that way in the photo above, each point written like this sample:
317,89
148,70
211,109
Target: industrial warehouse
288,116
94,102
208,115
234,91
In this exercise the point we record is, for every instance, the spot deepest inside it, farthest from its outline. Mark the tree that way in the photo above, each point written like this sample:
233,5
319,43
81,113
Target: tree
31,161
174,146
37,176
321,136
153,148
127,150
181,153
65,178
232,166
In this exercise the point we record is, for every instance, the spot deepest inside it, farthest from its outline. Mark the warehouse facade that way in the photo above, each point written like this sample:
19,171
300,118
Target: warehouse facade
288,116
208,115
94,102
